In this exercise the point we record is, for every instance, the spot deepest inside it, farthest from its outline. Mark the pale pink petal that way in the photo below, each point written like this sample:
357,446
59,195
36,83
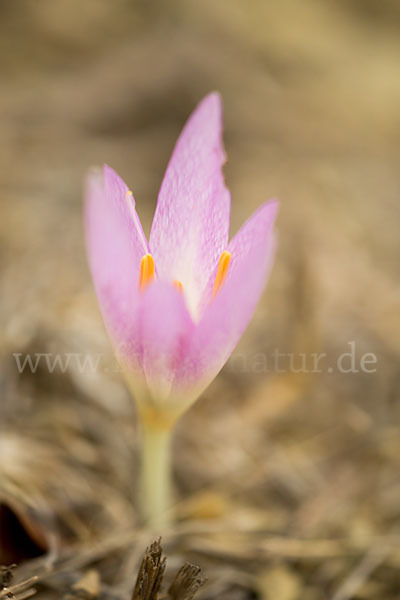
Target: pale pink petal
228,315
115,246
163,329
191,223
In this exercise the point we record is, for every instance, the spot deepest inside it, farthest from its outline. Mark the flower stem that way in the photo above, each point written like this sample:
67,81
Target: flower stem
155,490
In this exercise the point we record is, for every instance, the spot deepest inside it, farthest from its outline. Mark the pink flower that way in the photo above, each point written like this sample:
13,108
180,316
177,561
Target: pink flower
175,306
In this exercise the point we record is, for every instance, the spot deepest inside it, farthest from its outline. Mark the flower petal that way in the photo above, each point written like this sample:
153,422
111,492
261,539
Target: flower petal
163,327
191,223
227,316
115,245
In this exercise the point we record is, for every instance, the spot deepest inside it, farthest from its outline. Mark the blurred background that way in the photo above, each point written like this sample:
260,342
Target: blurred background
287,483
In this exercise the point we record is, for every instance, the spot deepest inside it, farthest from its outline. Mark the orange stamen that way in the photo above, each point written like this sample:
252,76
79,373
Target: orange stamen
222,271
178,285
146,275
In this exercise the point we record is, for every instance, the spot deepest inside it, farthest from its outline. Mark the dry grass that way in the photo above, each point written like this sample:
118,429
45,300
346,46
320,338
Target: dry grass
287,485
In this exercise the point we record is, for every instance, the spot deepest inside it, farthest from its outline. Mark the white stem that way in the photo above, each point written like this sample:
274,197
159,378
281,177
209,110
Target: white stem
155,492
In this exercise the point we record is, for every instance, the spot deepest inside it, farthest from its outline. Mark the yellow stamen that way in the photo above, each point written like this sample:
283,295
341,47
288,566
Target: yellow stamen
146,271
222,271
178,285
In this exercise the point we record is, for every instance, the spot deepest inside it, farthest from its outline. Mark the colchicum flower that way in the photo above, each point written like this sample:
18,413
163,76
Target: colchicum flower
175,305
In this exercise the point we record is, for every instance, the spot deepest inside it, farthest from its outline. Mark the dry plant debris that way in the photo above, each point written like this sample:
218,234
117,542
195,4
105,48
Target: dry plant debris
151,573
286,484
187,582
18,591
185,585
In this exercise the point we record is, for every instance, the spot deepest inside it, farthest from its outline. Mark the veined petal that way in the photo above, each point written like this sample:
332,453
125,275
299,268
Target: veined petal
115,246
191,223
229,313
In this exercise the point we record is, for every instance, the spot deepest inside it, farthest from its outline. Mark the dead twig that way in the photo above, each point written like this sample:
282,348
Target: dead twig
21,590
151,573
187,582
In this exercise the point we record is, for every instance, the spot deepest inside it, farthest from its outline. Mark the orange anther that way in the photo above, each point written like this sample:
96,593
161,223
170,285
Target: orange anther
178,285
146,275
222,271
